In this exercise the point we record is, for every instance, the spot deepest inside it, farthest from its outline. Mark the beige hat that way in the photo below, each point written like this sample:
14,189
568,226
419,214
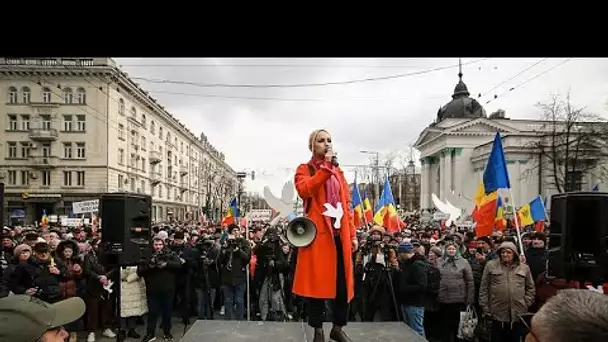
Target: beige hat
26,319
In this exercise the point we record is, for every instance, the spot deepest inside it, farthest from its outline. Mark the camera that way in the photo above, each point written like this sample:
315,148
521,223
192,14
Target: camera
204,246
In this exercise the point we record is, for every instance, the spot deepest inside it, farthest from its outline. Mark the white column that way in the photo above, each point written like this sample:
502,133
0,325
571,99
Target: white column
448,174
425,180
441,166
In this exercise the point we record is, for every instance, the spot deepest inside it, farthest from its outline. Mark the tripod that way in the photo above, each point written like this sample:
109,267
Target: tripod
383,276
280,314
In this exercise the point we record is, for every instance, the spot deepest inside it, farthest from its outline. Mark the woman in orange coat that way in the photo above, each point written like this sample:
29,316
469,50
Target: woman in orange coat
324,269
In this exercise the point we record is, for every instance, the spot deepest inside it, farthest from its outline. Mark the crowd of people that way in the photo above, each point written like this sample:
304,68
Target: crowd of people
425,275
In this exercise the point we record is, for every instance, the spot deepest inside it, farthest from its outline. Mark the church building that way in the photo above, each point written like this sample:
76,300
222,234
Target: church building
455,149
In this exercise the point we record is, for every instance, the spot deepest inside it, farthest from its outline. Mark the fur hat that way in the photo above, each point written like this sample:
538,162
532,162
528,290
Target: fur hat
20,248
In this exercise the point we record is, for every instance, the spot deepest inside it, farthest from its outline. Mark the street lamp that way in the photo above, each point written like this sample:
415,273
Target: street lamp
376,172
411,170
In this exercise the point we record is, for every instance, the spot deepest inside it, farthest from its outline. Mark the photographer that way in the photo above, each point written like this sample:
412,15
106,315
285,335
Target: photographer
159,273
205,275
183,275
271,265
234,259
377,277
411,282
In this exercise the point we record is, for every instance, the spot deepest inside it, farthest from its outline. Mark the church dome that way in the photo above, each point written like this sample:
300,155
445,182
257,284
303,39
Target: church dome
462,105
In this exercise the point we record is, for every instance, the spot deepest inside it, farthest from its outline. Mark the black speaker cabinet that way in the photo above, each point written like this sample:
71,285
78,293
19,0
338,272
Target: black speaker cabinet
578,239
126,227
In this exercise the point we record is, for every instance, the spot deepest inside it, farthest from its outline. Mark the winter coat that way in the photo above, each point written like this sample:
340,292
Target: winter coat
456,285
236,274
315,272
536,259
477,269
35,273
133,299
433,285
160,280
411,281
93,270
506,291
71,282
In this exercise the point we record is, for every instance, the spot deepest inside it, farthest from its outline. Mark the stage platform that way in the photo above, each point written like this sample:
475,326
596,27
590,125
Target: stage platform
236,331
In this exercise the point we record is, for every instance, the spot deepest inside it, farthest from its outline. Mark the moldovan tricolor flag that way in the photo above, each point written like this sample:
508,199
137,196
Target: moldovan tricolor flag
484,213
233,212
367,209
500,222
357,206
386,215
532,212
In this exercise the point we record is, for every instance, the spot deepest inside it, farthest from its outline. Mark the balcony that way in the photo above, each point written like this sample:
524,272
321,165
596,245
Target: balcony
183,170
155,177
183,184
155,157
44,162
43,134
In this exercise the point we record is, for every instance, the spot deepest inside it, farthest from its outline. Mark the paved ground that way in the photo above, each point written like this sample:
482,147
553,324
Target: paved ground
177,331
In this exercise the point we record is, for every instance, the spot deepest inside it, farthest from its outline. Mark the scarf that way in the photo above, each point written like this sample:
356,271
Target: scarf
332,185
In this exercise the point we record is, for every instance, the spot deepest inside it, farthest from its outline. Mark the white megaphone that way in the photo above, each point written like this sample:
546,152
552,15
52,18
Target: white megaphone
301,231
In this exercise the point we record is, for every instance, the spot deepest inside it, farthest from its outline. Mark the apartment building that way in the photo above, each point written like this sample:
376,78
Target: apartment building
74,128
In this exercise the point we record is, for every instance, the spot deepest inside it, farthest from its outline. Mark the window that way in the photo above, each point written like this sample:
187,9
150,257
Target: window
25,122
46,122
26,95
46,178
67,178
160,132
67,123
152,127
181,147
67,150
143,164
46,150
121,131
168,192
12,149
143,187
160,192
80,178
143,143
12,122
12,177
121,107
25,178
68,96
25,149
46,95
121,180
12,95
82,96
151,145
121,156
143,120
133,113
132,184
80,150
80,123
132,160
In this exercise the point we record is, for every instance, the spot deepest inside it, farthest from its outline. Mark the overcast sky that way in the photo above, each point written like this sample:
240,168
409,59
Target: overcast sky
269,135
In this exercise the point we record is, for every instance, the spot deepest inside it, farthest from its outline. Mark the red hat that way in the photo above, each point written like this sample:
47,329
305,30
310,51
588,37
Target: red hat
473,244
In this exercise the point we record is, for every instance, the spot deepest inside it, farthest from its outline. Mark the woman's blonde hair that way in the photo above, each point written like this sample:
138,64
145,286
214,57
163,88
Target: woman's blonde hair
313,137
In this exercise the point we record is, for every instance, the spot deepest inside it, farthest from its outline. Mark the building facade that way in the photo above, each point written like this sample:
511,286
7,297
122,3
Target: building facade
74,128
455,149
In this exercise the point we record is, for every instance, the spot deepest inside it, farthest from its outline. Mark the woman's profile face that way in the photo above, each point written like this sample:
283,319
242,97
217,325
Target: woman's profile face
322,143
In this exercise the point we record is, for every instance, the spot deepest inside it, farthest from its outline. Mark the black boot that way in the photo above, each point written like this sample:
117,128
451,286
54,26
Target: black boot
133,334
338,335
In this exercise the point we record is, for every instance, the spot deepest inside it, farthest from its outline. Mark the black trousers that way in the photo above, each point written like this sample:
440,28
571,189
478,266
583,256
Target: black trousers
338,305
505,332
159,304
450,318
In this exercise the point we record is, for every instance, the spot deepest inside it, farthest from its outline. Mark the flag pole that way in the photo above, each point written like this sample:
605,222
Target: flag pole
544,208
361,199
517,228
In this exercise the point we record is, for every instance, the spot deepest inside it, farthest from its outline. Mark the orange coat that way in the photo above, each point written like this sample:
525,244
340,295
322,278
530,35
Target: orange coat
315,273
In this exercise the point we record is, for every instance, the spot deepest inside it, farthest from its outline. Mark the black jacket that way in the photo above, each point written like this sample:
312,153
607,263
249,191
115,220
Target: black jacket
234,263
3,286
160,280
35,274
412,281
536,258
93,270
205,270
